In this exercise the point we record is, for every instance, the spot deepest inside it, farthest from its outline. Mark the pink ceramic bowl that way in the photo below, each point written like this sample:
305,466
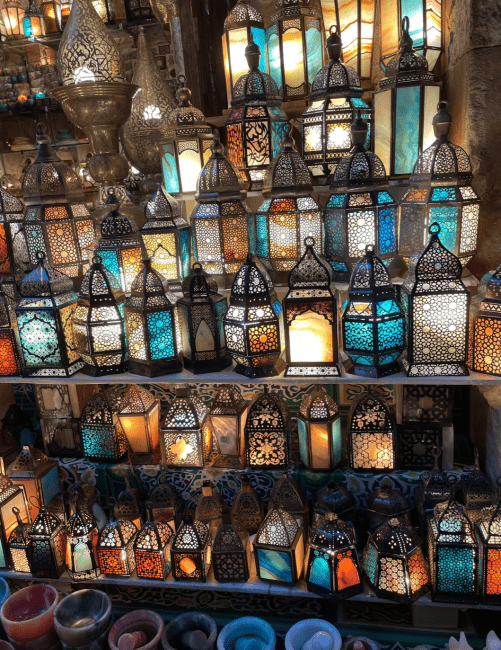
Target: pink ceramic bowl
29,613
142,620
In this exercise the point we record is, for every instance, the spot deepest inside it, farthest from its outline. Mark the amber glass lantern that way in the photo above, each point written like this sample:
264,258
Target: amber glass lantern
209,505
247,511
103,437
319,431
384,503
81,557
485,324
139,416
115,548
65,12
372,433
12,497
267,432
287,494
230,551
19,545
191,551
14,257
488,533
227,416
12,17
33,22
152,549
48,546
51,12
10,358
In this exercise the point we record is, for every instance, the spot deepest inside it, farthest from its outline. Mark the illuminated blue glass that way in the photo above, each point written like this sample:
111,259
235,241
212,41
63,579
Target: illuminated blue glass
169,170
277,307
386,307
313,52
184,241
391,334
303,442
414,10
443,194
110,261
262,247
361,360
98,442
274,60
27,27
407,128
161,335
320,572
3,563
371,563
260,40
206,209
334,234
384,197
252,234
336,201
455,570
389,358
336,442
358,336
387,230
339,266
274,565
265,205
50,485
358,103
38,335
277,134
447,217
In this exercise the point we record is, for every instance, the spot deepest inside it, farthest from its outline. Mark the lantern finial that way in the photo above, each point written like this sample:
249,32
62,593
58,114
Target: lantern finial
359,130
183,93
442,120
406,41
252,54
334,44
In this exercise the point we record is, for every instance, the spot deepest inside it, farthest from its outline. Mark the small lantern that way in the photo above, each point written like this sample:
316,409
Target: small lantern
385,503
14,256
336,499
371,434
295,41
138,10
165,505
191,551
436,304
488,532
12,497
98,323
267,431
485,323
230,552
332,569
186,146
475,492
253,325
127,506
33,22
10,358
247,511
373,321
61,437
102,434
394,563
310,318
48,546
209,505
427,405
279,548
152,549
227,416
66,6
186,434
222,224
51,12
115,548
19,545
201,311
82,542
433,488
288,495
319,431
139,416
416,445
12,17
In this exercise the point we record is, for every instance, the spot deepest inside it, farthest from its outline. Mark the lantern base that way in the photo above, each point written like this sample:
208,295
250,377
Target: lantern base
32,371
312,371
336,596
371,372
455,598
85,575
212,365
155,368
102,371
434,369
228,462
402,599
262,371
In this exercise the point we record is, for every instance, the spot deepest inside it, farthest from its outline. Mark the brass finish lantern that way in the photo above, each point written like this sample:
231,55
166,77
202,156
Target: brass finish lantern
81,556
230,553
287,494
51,12
267,431
102,434
12,498
209,506
191,551
139,416
247,511
115,548
19,545
319,431
227,416
152,549
485,323
165,505
488,533
48,546
10,358
14,256
12,18
372,433
385,503
33,24
475,491
127,506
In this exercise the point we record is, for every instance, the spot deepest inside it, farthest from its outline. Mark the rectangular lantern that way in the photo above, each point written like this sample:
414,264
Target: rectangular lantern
51,12
115,548
19,545
48,546
227,415
371,434
103,437
12,17
247,511
139,416
319,431
427,405
152,550
191,551
485,329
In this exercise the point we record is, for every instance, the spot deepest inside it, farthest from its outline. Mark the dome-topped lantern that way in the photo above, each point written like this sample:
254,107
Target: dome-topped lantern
485,351
222,223
441,192
247,510
436,303
48,546
475,491
115,548
287,494
433,488
152,549
319,431
336,499
267,432
81,554
372,432
384,503
230,554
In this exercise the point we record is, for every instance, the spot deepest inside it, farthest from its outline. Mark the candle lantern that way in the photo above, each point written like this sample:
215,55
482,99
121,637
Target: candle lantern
279,548
404,108
485,323
295,40
10,358
230,552
152,549
201,311
33,22
19,544
427,405
310,318
371,433
433,488
394,563
475,491
488,533
209,505
14,256
332,569
186,434
115,547
12,497
247,510
48,546
102,433
185,147
83,535
227,416
288,495
319,431
267,432
139,416
288,215
51,12
222,224
165,505
336,499
12,17
436,304
191,551
373,321
37,474
127,506
385,503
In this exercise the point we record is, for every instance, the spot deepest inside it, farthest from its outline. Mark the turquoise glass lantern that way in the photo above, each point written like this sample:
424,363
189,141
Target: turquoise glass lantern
103,437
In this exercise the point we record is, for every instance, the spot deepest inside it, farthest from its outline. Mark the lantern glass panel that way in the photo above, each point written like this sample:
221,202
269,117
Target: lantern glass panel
267,432
139,416
279,548
102,434
12,15
191,551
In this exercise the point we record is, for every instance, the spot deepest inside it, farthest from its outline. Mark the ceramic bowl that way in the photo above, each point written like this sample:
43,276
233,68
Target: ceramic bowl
302,632
82,617
29,613
171,638
142,620
247,626
5,645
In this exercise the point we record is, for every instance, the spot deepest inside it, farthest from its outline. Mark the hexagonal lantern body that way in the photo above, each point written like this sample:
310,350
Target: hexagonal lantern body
433,488
488,534
139,416
81,555
103,437
48,546
191,551
267,431
152,550
372,433
115,548
209,506
227,415
319,431
165,506
475,491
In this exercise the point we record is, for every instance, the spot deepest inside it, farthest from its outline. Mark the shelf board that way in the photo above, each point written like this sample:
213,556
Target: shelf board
34,150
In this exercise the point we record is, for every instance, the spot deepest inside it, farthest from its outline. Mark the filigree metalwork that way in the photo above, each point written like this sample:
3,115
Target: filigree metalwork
247,510
102,434
371,433
319,431
267,432
48,545
191,551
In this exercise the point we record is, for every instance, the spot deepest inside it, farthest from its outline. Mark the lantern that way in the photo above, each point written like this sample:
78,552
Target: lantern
336,499
385,503
222,224
394,563
37,474
191,551
138,10
166,237
488,533
230,552
404,108
14,256
267,432
98,323
332,568
165,505
115,548
279,548
288,495
475,491
209,505
433,488
256,123
436,304
33,22
186,434
102,434
295,43
12,17
227,417
152,549
48,546
319,431
127,506
288,215
12,498
19,545
10,358
82,542
242,24
65,13
139,416
415,447
201,311
247,510
253,325
373,321
310,318
335,98
485,323
62,437
427,405
371,433
51,12
44,316
185,147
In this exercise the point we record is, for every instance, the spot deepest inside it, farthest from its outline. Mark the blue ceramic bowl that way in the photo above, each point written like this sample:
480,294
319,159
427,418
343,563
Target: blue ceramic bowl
4,594
247,631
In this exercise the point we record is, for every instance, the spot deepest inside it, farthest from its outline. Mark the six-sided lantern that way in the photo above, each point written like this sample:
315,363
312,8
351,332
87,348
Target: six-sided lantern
127,504
247,510
371,433
102,434
164,504
485,350
227,416
384,503
488,533
433,488
48,546
336,499
139,416
319,431
230,551
267,432
115,548
152,549
51,12
12,497
10,358
81,555
191,551
209,505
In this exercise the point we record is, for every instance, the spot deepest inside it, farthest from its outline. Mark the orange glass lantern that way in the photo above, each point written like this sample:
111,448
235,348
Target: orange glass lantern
12,497
191,551
12,16
139,415
10,358
51,12
488,532
115,548
152,549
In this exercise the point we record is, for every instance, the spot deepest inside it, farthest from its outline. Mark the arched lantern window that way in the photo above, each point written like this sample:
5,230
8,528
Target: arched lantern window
267,432
152,549
319,431
371,433
209,505
48,546
247,510
230,553
191,551
227,415
139,416
102,434
115,548
287,494
81,556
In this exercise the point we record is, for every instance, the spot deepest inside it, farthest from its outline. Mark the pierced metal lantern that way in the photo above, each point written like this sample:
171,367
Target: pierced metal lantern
44,316
488,534
19,544
209,505
373,321
33,25
279,548
230,553
485,328
166,237
191,551
433,488
319,431
48,546
403,109
127,505
186,433
139,416
336,499
227,416
152,549
81,555
436,305
267,431
247,511
10,357
12,498
288,215
385,503
61,437
416,445
186,145
310,318
165,505
332,568
475,492
256,123
115,547
371,434
287,494
14,257
51,12
295,40
98,323
103,437
427,405
394,563
12,17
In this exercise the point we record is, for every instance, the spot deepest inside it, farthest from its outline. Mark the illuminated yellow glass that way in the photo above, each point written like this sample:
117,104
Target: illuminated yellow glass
310,339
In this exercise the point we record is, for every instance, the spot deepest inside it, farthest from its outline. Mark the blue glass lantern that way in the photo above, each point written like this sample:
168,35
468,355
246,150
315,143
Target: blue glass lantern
103,437
373,321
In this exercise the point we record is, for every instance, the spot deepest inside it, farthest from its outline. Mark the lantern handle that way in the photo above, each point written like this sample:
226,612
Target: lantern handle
41,128
442,104
434,228
149,510
496,511
181,80
405,25
35,501
97,259
309,242
333,27
197,267
40,255
288,129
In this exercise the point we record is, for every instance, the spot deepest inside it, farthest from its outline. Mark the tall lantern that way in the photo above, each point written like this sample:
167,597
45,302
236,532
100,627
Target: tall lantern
227,416
12,498
127,504
48,546
185,147
403,109
115,548
81,557
102,434
475,491
152,549
14,257
247,511
191,551
139,416
295,41
33,25
486,329
10,358
319,431
488,533
230,551
288,215
51,12
436,304
12,17
373,321
433,488
209,506
267,431
372,432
